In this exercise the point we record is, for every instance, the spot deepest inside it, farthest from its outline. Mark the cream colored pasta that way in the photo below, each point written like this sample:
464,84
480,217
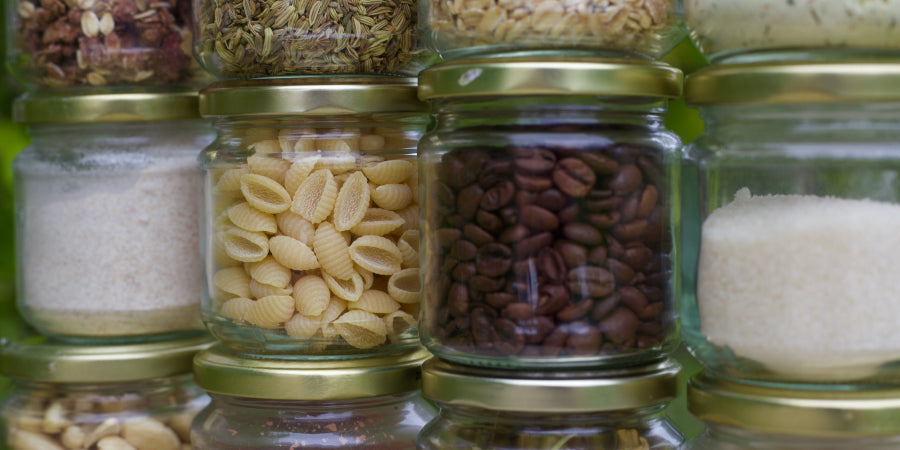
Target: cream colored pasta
335,308
245,246
233,281
410,217
336,163
307,141
269,271
270,166
292,253
271,311
295,226
404,286
361,329
338,140
392,196
371,142
315,197
375,302
230,181
236,308
302,327
411,237
376,254
333,252
286,140
220,255
377,222
352,202
249,218
409,256
297,173
349,290
311,295
367,276
265,194
398,322
413,183
259,290
390,172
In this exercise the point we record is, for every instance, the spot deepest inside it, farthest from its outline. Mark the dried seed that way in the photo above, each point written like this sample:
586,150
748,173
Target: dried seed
90,24
107,23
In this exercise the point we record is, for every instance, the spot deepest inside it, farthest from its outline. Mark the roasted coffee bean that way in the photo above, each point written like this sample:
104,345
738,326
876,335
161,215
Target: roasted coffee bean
463,272
582,233
620,326
590,281
574,177
552,299
603,221
482,283
514,234
538,218
474,163
534,160
458,300
573,254
637,256
477,235
510,215
626,180
532,244
629,208
518,311
467,201
527,198
600,163
493,260
531,182
554,342
601,203
621,271
649,199
575,311
463,250
551,200
445,194
482,328
498,196
649,169
535,329
446,237
584,340
553,266
499,300
634,299
490,222
495,171
630,231
569,213
597,256
603,307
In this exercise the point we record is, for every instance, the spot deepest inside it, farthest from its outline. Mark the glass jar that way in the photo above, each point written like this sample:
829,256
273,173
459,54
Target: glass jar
487,409
311,222
369,403
472,28
742,417
276,38
90,43
113,396
106,216
742,31
798,207
546,207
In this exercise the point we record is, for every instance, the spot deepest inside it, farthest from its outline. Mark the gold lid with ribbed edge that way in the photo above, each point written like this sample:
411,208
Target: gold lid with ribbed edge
570,392
311,96
817,413
521,76
220,371
47,361
106,106
792,83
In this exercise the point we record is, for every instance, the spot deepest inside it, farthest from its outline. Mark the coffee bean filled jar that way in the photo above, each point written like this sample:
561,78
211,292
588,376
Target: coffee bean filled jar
547,221
99,397
371,403
311,222
794,278
489,409
740,416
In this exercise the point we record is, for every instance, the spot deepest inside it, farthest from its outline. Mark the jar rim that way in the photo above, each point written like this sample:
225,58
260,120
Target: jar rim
46,360
518,76
311,96
559,392
794,83
799,412
106,105
221,371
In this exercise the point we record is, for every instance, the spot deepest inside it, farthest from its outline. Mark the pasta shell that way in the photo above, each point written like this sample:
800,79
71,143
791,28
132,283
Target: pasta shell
411,237
392,196
349,290
398,322
297,173
305,144
269,271
251,219
367,277
352,202
405,286
302,327
297,227
376,254
413,183
220,255
245,246
230,181
371,142
375,302
410,217
361,329
270,166
311,295
286,140
409,256
335,308
236,308
293,254
338,140
265,194
377,222
264,147
259,290
260,134
390,172
315,197
336,163
233,281
329,332
271,311
332,251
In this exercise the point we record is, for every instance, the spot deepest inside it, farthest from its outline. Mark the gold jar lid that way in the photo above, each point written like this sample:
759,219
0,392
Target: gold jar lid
106,106
786,83
800,412
220,371
522,76
556,392
46,361
311,96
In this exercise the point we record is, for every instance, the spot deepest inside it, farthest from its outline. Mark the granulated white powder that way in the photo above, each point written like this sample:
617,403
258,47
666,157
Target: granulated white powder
112,251
804,285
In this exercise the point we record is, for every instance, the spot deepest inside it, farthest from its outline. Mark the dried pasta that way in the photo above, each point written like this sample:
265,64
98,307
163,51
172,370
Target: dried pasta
270,166
259,290
333,252
233,281
271,311
404,286
269,271
311,295
302,327
392,196
236,308
410,216
377,222
352,202
349,290
230,181
264,193
244,216
245,246
409,256
297,173
315,197
398,322
290,224
376,254
376,302
292,253
361,329
390,172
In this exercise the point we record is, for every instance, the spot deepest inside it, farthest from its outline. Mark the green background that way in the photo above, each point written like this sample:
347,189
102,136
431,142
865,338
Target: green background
13,138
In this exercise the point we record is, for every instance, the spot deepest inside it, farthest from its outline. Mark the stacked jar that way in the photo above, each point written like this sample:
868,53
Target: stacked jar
787,229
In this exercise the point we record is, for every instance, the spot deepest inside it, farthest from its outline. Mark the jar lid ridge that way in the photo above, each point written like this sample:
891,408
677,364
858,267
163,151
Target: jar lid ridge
106,106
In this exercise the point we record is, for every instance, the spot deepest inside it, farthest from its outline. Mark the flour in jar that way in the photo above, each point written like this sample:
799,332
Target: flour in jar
114,250
804,285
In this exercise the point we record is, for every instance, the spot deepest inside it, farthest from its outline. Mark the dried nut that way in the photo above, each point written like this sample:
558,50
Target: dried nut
85,4
73,438
114,443
55,419
21,439
96,79
109,427
107,23
145,433
181,424
25,9
90,24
